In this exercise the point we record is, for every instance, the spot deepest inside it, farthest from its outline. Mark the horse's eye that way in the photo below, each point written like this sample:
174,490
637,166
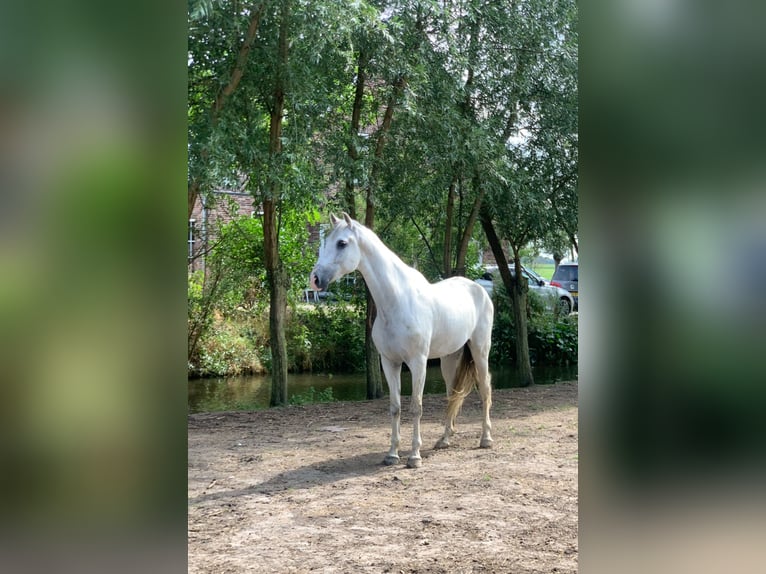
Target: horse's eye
342,243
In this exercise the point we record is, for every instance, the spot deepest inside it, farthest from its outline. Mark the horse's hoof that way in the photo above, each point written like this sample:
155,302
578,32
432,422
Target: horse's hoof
485,443
414,462
389,460
442,443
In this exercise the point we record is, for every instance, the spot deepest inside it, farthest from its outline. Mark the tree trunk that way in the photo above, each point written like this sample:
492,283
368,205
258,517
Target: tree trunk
239,67
276,280
465,239
497,249
374,377
569,227
372,357
275,274
519,304
517,295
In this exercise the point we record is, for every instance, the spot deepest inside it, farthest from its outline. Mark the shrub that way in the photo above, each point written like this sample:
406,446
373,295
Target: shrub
327,338
225,350
552,339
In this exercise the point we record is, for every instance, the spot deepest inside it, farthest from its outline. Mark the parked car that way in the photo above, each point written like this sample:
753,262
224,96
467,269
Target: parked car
565,277
552,295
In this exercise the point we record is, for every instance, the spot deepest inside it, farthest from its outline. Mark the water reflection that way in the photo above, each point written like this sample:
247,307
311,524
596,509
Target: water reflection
253,392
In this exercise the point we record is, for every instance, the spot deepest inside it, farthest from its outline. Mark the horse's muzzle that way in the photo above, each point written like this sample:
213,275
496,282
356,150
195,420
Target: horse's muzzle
317,283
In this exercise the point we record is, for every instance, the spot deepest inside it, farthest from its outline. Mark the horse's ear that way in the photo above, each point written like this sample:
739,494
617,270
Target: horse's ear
334,220
348,219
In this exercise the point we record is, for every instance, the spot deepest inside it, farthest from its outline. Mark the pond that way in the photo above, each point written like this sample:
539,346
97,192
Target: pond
253,392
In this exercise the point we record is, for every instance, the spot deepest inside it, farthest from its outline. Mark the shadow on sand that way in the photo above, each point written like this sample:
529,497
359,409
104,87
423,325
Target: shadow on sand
315,474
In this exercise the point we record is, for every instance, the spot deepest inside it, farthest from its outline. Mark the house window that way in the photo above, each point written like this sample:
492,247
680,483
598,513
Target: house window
192,234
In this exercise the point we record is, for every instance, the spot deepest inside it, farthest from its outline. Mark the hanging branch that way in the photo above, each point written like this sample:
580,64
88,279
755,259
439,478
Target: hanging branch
425,240
239,67
236,76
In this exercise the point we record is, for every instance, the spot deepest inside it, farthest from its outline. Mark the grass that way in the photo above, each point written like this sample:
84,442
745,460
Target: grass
544,270
312,396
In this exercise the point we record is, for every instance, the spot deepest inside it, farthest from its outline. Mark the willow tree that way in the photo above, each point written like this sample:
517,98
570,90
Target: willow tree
263,137
386,38
534,196
435,143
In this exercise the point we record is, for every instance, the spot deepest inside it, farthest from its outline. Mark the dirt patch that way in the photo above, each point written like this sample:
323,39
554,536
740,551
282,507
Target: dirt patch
302,489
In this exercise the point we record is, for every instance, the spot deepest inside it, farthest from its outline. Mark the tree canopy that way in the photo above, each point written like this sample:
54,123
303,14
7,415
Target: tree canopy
414,114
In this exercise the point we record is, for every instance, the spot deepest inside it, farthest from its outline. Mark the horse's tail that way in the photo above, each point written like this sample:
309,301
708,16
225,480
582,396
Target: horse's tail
465,379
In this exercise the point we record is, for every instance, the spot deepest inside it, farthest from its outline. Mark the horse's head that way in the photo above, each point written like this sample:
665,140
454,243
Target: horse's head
339,255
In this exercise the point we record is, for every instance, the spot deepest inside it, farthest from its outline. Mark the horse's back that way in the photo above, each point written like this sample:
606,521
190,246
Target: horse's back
462,311
462,291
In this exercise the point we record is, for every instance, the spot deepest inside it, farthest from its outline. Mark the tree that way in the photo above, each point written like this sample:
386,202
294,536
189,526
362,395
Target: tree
532,189
422,118
208,92
264,135
389,40
521,217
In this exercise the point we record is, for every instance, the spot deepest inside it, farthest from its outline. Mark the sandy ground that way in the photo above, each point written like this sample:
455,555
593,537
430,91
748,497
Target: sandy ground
302,489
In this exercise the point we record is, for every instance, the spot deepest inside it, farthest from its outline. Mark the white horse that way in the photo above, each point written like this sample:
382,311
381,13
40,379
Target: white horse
416,321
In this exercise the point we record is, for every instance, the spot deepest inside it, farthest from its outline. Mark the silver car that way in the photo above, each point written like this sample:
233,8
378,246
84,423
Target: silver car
551,295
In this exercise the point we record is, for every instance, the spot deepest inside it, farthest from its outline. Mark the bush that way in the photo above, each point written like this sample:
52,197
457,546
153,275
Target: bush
327,338
552,339
320,338
225,349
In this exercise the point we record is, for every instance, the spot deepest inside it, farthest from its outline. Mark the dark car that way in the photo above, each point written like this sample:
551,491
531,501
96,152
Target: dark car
565,276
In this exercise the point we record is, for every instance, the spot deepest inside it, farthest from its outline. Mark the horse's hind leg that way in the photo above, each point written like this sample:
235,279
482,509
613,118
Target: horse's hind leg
485,391
393,372
449,367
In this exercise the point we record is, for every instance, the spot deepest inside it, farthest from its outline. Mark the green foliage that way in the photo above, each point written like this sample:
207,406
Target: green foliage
195,292
327,338
225,349
552,340
320,338
235,287
472,75
239,251
312,396
201,301
238,254
503,338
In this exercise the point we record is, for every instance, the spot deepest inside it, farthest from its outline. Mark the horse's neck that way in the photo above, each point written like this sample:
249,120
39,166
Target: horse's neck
386,275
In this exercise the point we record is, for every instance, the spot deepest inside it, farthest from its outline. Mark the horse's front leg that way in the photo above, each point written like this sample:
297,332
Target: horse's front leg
393,372
418,370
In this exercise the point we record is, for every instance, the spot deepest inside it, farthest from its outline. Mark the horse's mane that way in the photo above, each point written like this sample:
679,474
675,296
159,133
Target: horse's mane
370,235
